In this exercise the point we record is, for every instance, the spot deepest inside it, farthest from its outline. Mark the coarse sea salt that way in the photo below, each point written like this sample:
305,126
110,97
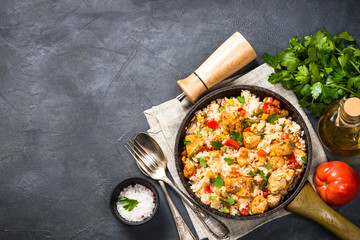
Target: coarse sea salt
144,209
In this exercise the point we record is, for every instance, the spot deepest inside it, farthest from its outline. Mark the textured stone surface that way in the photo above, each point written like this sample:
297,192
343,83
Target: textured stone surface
75,77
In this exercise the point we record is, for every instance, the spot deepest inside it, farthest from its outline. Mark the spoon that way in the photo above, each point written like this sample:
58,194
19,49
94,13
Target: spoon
183,230
152,160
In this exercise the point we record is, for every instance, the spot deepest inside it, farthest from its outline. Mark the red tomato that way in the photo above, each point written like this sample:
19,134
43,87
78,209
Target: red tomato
248,129
245,210
232,143
212,124
291,161
266,107
265,193
261,153
207,190
337,183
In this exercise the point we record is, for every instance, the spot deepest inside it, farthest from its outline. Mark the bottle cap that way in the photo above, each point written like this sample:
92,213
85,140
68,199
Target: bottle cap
352,107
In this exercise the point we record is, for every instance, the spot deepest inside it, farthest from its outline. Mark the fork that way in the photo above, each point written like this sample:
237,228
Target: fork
154,169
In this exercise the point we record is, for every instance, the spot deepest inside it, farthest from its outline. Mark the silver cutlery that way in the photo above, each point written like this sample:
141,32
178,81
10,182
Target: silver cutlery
152,161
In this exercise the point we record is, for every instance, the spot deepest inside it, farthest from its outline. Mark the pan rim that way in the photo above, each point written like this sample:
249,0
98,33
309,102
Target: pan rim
212,96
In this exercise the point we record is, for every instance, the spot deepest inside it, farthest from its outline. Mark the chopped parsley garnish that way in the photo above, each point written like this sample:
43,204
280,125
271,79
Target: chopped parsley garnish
198,133
268,166
220,109
203,163
236,136
271,118
218,181
282,127
304,159
216,144
187,142
251,173
241,99
262,174
208,129
224,209
292,143
229,161
262,135
130,203
213,197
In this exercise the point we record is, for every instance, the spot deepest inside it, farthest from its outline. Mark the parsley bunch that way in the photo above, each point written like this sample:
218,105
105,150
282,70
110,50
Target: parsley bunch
319,69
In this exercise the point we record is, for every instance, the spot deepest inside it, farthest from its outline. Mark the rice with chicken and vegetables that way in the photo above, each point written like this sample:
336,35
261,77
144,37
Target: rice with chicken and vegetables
242,155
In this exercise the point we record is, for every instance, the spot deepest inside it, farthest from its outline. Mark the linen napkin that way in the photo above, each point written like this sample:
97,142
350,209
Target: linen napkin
165,120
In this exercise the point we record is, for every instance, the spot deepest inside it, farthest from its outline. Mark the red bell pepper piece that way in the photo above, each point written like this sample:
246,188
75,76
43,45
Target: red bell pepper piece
232,143
207,190
291,161
265,192
261,153
245,210
248,129
266,107
212,124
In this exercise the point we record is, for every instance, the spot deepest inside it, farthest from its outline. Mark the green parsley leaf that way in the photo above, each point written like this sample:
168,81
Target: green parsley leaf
251,173
262,135
129,203
218,181
229,161
216,144
262,174
230,201
319,68
241,99
236,136
304,159
292,143
268,166
198,133
203,163
220,109
213,197
282,127
271,118
208,129
186,142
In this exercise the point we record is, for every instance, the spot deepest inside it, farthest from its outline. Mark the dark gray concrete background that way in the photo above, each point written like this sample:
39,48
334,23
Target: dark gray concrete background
76,76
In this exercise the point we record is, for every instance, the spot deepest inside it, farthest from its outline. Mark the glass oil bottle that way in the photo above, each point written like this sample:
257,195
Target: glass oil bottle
339,127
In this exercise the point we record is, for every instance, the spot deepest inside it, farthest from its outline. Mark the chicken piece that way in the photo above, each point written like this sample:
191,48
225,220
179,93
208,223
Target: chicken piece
273,200
282,148
241,186
289,174
277,162
251,140
242,161
277,181
259,205
189,170
230,122
195,145
299,152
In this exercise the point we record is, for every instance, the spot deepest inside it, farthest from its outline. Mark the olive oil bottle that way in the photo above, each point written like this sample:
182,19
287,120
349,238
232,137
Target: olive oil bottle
339,127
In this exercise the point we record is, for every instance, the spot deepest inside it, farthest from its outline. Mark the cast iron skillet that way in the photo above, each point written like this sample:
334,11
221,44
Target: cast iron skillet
234,92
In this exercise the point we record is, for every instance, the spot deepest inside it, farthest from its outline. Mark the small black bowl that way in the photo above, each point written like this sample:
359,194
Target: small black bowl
116,192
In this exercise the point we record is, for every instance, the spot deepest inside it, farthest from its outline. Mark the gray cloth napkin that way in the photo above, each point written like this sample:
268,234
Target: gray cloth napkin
165,119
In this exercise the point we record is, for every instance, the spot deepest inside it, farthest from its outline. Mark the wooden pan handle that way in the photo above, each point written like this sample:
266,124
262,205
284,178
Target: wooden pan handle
235,53
308,204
